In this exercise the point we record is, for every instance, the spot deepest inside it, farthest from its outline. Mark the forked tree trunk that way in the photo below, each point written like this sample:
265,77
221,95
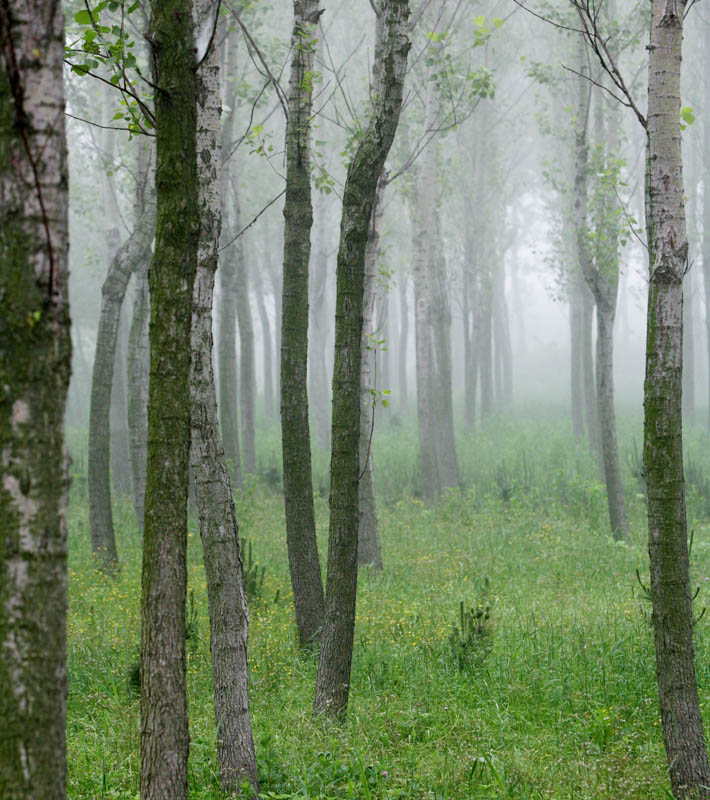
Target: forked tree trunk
303,558
35,364
333,679
164,731
218,524
663,447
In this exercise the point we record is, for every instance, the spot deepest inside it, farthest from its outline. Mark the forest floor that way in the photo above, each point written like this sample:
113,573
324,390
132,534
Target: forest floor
550,693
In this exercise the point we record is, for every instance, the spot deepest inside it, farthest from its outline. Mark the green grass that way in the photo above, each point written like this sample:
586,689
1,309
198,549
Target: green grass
559,701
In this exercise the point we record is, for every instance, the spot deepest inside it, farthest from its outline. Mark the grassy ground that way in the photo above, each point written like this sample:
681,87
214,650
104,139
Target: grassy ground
554,698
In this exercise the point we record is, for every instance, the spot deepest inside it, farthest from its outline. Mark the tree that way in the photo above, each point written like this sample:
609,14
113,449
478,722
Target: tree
218,524
597,233
35,363
303,559
130,257
683,734
164,734
663,425
333,679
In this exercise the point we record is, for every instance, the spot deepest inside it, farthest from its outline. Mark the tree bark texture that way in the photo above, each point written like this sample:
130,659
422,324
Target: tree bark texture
164,730
218,524
35,364
663,453
706,218
333,679
304,564
133,253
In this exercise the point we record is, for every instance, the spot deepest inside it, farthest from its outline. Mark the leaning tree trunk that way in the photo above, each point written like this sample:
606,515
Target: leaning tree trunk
35,364
164,730
304,564
368,551
333,679
134,252
218,524
663,448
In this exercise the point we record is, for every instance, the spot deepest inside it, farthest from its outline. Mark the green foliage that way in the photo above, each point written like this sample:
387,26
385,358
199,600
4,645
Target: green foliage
563,704
470,638
101,39
253,574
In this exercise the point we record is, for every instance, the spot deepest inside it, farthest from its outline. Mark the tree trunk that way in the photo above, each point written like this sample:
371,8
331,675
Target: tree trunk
403,399
318,383
706,218
164,731
120,457
35,364
576,382
138,369
303,558
268,346
227,302
134,252
245,323
663,449
607,422
588,372
218,524
333,679
369,551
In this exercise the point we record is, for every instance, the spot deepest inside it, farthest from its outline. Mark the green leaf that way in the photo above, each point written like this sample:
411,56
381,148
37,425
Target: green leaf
82,17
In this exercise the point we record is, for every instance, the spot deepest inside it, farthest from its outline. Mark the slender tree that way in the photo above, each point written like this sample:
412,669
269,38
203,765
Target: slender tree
303,559
333,679
131,256
164,733
663,446
35,363
213,490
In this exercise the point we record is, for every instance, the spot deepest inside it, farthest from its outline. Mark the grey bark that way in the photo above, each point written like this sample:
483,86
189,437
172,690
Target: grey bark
35,363
663,449
213,491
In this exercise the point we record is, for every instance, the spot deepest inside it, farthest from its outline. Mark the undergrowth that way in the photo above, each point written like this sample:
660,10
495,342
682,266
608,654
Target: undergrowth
548,691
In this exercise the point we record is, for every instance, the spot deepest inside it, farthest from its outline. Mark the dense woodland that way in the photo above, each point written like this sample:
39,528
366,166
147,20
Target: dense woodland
354,399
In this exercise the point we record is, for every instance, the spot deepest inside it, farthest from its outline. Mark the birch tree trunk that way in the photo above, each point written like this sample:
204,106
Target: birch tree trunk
164,730
218,524
35,364
706,218
663,449
303,558
333,679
